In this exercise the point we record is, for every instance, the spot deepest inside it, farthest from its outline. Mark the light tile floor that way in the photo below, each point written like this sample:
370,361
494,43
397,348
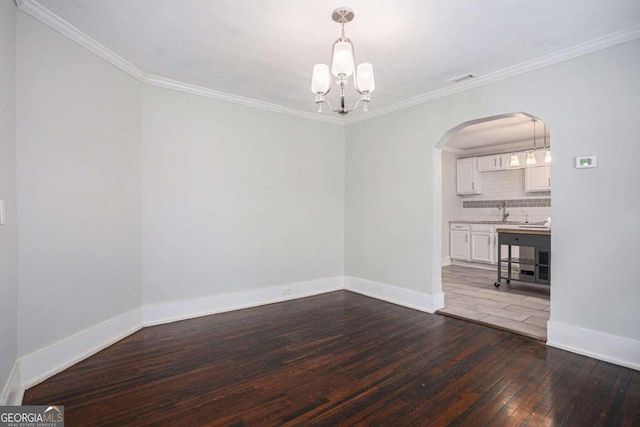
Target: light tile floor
520,307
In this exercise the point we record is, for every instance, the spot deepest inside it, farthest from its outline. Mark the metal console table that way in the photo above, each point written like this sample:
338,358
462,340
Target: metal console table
540,240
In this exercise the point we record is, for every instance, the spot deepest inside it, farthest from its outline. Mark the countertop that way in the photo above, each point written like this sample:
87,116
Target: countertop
540,232
466,221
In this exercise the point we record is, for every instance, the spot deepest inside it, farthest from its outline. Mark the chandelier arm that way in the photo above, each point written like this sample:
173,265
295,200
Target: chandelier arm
324,101
355,106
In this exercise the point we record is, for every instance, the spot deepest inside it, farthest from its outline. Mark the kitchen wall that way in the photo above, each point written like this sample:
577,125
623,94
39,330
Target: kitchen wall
8,231
506,185
78,128
590,105
236,198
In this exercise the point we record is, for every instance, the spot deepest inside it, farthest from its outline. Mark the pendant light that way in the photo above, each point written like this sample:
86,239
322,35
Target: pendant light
531,156
514,161
547,154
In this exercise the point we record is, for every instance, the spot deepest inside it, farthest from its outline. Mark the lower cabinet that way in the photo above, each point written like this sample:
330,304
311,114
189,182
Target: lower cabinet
459,245
476,243
482,246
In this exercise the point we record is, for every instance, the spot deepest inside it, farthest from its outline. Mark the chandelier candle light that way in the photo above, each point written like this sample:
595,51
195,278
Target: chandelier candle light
342,67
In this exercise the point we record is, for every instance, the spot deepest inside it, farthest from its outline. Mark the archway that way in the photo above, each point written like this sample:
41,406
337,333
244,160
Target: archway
503,195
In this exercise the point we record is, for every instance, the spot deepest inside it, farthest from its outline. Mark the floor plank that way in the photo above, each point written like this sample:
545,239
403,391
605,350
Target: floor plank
469,294
338,359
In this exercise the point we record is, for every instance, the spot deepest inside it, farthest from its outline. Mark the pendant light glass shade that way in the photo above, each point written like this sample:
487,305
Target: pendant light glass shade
513,160
531,158
547,154
365,81
342,60
321,80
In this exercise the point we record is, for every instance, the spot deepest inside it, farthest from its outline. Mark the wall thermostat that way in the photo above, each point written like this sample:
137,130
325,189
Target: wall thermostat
586,162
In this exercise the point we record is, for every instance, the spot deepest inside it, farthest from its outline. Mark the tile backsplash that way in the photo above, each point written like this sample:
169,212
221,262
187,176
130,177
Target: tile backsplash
507,186
515,203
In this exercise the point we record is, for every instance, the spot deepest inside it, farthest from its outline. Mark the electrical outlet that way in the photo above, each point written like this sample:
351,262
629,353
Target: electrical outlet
287,291
1,212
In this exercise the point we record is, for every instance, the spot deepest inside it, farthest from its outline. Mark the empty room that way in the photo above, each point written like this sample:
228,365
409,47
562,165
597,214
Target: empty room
240,213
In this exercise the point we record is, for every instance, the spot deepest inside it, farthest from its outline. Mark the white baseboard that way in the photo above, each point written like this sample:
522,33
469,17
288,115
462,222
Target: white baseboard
156,314
44,363
446,261
13,391
475,265
609,348
395,295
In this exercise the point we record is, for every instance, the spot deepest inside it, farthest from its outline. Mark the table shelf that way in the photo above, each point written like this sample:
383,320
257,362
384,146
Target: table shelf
541,242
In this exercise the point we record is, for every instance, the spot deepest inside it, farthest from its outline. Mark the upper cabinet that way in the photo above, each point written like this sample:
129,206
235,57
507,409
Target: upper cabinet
537,178
471,170
467,177
492,163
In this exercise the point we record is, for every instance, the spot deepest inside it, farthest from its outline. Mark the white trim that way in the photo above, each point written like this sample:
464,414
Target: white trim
60,25
395,295
13,390
452,149
480,265
52,20
581,49
227,97
156,314
48,361
446,260
598,345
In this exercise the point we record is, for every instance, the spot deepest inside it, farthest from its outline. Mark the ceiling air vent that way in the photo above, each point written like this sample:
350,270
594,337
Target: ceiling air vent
460,78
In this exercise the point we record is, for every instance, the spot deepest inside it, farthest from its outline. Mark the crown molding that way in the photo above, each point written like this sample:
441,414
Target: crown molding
52,20
55,22
591,46
227,97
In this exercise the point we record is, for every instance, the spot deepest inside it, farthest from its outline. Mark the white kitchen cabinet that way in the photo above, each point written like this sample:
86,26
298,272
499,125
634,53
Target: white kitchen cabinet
491,163
478,243
537,178
467,177
482,246
459,243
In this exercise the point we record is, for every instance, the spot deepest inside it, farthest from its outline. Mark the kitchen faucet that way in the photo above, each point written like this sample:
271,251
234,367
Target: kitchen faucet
505,214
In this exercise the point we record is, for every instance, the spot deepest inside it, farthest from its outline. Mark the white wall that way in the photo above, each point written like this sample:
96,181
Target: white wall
236,198
8,231
78,132
451,202
590,105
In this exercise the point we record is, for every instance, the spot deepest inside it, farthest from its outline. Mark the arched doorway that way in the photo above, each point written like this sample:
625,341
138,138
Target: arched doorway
496,177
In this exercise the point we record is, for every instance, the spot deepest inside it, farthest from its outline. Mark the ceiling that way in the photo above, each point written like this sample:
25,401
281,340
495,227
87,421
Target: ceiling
265,50
508,133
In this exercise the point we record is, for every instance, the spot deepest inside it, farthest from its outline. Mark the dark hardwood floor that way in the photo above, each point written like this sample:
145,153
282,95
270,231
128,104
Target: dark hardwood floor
338,359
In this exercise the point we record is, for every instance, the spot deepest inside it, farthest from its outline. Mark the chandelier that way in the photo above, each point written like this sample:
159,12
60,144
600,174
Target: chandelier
342,67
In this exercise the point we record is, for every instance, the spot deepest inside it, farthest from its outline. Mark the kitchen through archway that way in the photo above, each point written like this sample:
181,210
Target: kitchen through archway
496,223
